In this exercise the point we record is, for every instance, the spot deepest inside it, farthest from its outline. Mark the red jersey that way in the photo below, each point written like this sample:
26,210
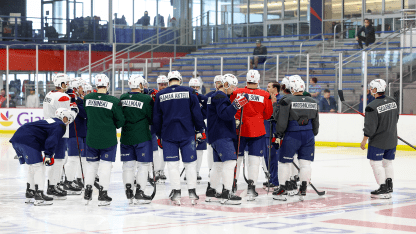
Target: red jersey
256,111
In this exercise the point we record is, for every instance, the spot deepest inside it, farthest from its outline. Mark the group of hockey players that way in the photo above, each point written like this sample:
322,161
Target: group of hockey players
274,128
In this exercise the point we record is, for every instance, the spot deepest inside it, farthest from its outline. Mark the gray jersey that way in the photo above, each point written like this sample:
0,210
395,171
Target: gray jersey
297,113
380,125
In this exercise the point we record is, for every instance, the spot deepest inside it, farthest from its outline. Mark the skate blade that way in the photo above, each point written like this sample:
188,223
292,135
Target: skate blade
212,199
68,192
103,203
160,182
229,202
176,202
42,203
59,198
194,202
87,202
251,198
381,196
280,198
198,182
131,201
291,193
30,200
141,202
301,198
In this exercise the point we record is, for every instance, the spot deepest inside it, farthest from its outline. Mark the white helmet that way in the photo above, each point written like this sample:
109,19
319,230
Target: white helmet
60,113
102,80
217,78
296,85
162,79
378,84
285,82
135,81
253,76
174,75
230,79
194,82
75,83
87,87
60,78
294,77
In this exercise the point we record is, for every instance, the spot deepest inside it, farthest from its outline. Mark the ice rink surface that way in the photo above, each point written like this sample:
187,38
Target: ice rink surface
344,173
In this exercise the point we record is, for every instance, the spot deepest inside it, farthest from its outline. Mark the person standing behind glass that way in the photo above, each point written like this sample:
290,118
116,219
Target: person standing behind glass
315,89
161,21
32,100
145,20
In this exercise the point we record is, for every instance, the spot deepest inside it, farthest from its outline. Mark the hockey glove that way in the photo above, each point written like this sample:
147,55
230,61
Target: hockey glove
201,137
48,160
276,141
240,101
74,107
237,123
159,143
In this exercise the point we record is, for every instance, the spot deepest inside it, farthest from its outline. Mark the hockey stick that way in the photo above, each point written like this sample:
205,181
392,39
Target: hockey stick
182,172
341,97
238,147
79,152
320,193
154,181
270,155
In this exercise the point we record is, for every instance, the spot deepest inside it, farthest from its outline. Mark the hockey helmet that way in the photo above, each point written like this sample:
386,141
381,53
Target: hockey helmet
174,75
60,113
162,79
230,79
253,76
60,78
217,78
102,80
135,81
296,84
194,82
87,87
378,84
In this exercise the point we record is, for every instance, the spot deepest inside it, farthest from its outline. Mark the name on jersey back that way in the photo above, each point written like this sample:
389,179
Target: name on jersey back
304,105
386,107
99,103
132,103
171,96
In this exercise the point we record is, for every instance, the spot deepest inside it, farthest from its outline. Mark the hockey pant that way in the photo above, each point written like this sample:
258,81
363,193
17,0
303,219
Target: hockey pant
224,171
36,175
174,174
304,174
103,169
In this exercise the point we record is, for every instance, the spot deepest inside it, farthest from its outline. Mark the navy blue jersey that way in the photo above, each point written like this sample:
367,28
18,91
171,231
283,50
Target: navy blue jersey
80,121
267,122
210,93
41,135
203,103
220,117
177,114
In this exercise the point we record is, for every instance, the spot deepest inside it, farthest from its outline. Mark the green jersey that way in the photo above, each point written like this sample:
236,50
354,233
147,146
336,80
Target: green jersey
138,111
104,116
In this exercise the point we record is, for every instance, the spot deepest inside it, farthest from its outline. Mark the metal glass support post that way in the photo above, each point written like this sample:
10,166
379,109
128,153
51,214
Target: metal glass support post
364,71
387,61
170,64
7,76
277,68
401,82
195,66
222,65
89,62
42,33
307,72
122,76
411,54
323,44
37,71
340,81
145,75
113,68
110,21
64,58
248,63
335,32
68,29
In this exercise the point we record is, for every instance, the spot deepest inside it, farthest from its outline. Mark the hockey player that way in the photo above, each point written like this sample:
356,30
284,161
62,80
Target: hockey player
202,146
217,83
29,141
221,129
252,131
104,116
87,89
136,141
380,128
53,101
76,146
177,118
298,123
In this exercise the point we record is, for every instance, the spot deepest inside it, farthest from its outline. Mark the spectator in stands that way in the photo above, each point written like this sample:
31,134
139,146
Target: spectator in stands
259,50
370,34
32,100
328,103
315,89
145,20
370,98
161,21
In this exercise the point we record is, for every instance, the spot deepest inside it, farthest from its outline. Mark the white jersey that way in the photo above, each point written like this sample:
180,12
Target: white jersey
52,102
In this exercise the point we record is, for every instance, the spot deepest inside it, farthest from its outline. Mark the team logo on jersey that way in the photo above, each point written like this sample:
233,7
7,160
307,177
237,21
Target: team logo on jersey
192,157
6,119
386,107
130,95
99,96
106,155
143,154
209,101
304,105
100,104
172,96
132,103
48,100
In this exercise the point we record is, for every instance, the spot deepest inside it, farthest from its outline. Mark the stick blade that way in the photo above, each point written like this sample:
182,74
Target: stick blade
341,95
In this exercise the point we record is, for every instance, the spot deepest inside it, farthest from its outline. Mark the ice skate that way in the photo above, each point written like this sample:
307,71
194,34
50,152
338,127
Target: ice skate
381,193
129,193
41,199
88,194
80,183
57,194
30,195
229,198
72,188
280,193
290,190
212,195
140,197
198,178
302,190
162,176
103,198
159,178
193,196
266,185
96,182
389,183
175,196
251,191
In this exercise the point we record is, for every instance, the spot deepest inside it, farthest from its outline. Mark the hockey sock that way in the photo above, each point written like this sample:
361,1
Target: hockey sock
199,156
90,172
305,170
71,167
228,174
215,177
379,171
388,168
157,160
283,172
293,170
253,167
142,173
210,158
31,177
239,161
174,178
55,176
163,163
128,172
38,175
104,173
190,169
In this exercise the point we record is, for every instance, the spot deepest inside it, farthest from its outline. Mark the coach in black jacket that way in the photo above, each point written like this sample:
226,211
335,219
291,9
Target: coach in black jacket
370,34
